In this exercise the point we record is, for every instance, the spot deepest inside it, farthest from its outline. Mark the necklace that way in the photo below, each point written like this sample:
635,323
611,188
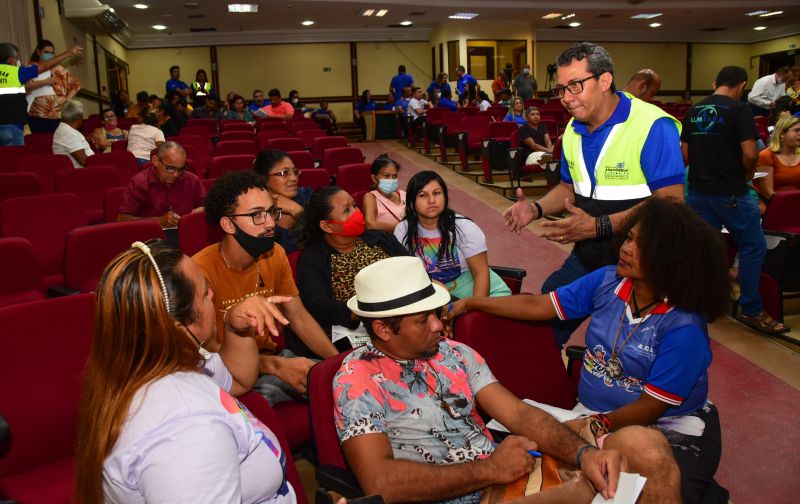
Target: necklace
259,279
614,364
409,366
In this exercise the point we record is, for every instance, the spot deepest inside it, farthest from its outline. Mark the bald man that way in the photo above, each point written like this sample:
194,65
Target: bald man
644,84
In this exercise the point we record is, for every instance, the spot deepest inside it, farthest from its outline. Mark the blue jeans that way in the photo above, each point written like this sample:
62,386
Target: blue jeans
740,216
571,270
11,134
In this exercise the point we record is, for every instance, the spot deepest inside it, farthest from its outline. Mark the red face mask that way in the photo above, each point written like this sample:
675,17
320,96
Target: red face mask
352,226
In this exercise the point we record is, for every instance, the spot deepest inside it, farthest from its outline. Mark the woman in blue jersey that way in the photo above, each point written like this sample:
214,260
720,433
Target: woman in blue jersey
647,347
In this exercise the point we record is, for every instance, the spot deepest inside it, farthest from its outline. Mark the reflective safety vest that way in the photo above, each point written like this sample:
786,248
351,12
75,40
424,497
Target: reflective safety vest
201,89
13,107
618,171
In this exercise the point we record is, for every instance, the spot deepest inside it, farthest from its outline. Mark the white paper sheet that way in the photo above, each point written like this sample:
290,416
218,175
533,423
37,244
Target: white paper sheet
42,91
358,336
628,489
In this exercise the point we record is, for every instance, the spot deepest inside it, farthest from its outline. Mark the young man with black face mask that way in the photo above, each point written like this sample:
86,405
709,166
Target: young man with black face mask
248,262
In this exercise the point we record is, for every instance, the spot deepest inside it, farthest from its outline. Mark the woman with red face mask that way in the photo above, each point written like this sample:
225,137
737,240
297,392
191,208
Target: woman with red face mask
336,245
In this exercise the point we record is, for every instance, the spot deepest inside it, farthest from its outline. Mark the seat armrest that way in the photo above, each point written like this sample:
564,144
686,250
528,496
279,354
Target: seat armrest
339,480
61,290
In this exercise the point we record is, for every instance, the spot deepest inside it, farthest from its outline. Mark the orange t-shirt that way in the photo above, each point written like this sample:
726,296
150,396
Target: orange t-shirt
784,177
231,287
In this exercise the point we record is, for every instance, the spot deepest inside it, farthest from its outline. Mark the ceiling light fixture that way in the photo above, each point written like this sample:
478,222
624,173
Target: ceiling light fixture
647,15
307,22
382,12
552,15
759,28
655,25
756,13
463,15
159,27
368,12
574,24
406,23
773,13
242,7
568,16
140,6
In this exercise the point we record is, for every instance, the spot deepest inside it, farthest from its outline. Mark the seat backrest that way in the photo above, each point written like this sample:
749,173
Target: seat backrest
263,137
221,164
358,197
308,136
286,144
231,125
303,124
435,115
195,234
321,404
88,184
235,147
111,201
293,257
501,129
452,121
470,110
546,381
200,158
229,135
477,128
783,212
209,124
202,142
41,143
45,166
119,146
333,158
43,220
354,177
9,155
89,249
552,127
273,126
208,183
42,405
124,162
302,159
314,178
15,185
22,280
515,139
326,142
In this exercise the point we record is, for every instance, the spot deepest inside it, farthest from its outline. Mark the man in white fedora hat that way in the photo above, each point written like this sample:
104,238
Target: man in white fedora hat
407,410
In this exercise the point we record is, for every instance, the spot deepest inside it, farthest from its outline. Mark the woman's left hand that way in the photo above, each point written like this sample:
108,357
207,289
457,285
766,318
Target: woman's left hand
259,313
578,226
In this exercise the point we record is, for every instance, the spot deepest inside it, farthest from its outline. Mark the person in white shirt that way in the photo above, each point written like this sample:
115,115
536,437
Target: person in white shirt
766,90
157,421
68,139
417,106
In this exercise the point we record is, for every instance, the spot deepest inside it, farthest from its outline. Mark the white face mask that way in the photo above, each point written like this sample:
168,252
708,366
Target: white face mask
526,70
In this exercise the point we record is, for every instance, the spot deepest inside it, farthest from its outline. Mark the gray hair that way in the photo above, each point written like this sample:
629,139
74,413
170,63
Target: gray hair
8,50
598,59
169,145
71,111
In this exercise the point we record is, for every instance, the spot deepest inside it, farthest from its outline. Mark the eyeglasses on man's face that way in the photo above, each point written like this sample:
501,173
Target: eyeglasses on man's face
173,169
574,87
294,172
260,216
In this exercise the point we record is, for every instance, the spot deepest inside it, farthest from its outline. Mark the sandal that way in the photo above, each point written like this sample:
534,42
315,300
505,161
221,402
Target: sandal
763,323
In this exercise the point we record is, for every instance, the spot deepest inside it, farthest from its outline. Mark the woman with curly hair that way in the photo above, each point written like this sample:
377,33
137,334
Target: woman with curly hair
452,247
647,347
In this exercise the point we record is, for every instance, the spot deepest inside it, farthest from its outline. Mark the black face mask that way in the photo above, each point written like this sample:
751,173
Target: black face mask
253,245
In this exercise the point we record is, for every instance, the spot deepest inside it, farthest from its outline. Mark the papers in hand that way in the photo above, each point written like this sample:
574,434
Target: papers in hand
358,336
628,489
561,414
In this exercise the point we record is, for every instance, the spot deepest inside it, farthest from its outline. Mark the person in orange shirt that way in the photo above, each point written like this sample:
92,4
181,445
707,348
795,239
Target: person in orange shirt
277,107
781,160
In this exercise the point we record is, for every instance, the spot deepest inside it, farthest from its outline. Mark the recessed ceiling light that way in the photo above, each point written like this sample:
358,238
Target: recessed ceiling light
574,24
159,27
307,22
463,15
655,25
552,15
242,7
406,23
382,12
140,6
773,13
368,12
756,13
646,15
759,28
568,16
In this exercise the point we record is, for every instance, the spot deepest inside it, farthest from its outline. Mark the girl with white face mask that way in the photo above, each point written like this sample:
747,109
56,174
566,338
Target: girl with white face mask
384,206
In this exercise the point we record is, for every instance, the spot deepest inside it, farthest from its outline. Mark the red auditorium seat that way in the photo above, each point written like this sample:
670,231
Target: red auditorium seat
298,125
231,125
42,405
45,166
494,148
9,155
314,178
473,131
308,136
273,126
230,135
201,159
15,185
447,132
355,177
783,212
263,137
235,147
119,146
44,221
293,257
89,249
201,142
89,185
41,143
497,113
195,234
208,183
209,124
111,201
221,164
303,160
333,158
123,162
286,144
358,197
22,280
319,145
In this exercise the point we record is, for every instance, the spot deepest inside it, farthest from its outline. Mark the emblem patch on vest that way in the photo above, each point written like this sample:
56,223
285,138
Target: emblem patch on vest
616,172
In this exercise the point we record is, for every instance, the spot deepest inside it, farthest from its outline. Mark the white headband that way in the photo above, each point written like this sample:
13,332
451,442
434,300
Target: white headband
144,248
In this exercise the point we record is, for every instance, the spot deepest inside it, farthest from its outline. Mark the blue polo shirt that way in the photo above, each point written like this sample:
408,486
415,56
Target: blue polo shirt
173,85
448,104
366,107
667,356
402,104
463,82
399,82
520,120
661,158
434,86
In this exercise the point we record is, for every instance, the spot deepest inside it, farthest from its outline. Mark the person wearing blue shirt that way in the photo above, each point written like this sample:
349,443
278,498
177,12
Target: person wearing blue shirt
437,87
647,347
176,84
464,80
400,81
617,151
516,112
446,100
365,104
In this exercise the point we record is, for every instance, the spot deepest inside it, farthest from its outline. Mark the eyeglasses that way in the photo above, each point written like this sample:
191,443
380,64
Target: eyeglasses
285,173
574,87
173,169
260,216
